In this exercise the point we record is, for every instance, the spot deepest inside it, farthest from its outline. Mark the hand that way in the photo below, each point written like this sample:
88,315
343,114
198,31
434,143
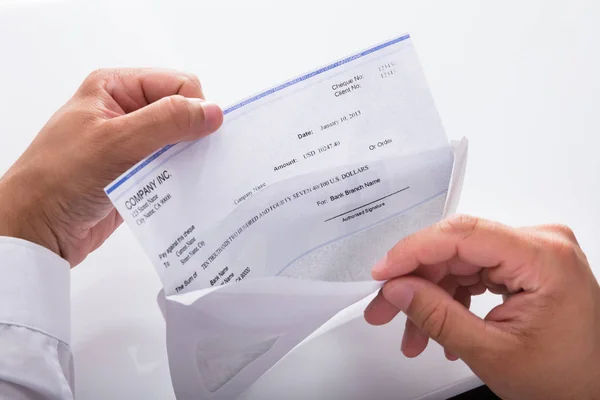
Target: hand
543,342
53,195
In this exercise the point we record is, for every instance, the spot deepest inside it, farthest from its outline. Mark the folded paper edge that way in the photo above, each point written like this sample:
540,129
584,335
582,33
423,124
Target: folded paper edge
460,149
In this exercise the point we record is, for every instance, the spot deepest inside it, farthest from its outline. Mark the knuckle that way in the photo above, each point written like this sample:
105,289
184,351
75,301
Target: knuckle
95,80
98,75
462,225
192,78
434,319
563,230
563,249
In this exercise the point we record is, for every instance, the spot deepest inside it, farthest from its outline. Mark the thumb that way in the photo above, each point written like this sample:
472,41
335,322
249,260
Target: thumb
439,316
167,121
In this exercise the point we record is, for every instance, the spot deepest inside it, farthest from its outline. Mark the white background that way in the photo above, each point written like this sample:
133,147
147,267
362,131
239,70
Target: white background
519,78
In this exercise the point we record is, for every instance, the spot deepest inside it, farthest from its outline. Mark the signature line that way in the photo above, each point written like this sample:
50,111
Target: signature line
364,205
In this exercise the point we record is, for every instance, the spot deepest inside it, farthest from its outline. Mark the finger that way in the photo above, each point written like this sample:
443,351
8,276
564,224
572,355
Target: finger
414,341
433,273
468,280
167,121
475,241
436,272
477,289
380,311
493,279
132,89
459,267
450,356
463,296
449,285
512,308
437,314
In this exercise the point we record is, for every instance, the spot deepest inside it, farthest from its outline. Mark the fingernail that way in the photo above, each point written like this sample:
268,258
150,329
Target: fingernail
213,115
450,356
379,267
404,341
401,295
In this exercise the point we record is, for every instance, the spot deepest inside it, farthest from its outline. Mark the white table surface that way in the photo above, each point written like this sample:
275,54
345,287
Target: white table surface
519,78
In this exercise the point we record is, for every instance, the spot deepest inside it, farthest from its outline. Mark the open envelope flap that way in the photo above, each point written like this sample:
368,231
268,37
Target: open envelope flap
212,339
460,149
221,340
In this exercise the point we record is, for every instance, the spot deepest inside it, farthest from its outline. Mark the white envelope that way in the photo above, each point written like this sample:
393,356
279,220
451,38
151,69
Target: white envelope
221,340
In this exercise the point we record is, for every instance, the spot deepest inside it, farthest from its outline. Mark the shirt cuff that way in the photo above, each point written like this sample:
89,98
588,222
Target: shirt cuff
34,288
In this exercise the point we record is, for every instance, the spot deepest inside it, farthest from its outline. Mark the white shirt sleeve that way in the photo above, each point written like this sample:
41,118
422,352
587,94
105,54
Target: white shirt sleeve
35,359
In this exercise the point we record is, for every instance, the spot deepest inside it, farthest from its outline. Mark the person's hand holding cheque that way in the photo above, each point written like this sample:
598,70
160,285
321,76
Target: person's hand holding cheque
54,196
543,342
52,200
